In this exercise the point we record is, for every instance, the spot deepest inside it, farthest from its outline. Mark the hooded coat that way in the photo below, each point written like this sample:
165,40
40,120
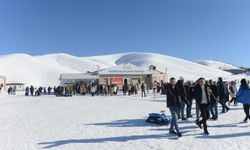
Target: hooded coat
243,96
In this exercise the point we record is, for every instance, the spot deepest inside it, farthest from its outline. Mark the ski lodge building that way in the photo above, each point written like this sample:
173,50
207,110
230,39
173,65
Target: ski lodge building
19,86
125,73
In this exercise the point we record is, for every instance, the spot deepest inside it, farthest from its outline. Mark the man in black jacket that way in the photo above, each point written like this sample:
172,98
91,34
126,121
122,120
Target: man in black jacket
173,104
189,90
202,96
183,97
214,100
222,95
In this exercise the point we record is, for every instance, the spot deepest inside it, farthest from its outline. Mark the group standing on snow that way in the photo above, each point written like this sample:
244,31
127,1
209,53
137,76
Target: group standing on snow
207,94
11,90
31,91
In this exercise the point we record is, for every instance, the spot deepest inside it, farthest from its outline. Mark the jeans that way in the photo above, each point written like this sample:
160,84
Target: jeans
223,103
197,111
233,100
174,110
143,93
214,110
189,108
181,110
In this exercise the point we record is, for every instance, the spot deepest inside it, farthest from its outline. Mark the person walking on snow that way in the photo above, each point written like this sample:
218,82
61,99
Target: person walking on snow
32,90
222,95
214,100
233,92
143,90
182,94
173,104
243,96
202,96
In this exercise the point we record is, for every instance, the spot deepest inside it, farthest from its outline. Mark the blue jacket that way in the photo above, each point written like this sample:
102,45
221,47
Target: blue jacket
243,96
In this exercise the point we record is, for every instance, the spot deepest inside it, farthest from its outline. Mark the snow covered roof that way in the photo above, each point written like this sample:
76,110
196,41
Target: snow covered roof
77,76
15,83
125,68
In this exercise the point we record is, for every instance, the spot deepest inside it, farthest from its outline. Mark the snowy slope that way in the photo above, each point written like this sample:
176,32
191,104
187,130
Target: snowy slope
45,70
218,64
175,67
28,69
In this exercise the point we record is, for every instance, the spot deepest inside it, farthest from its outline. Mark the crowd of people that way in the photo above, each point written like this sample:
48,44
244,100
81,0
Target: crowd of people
207,94
31,91
11,90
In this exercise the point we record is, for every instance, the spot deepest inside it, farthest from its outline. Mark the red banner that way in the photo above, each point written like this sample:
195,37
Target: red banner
116,80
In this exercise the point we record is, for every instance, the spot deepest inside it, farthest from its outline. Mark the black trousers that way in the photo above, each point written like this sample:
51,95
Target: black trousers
204,109
246,110
233,100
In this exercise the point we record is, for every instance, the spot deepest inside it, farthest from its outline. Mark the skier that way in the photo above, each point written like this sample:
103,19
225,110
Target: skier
173,104
243,96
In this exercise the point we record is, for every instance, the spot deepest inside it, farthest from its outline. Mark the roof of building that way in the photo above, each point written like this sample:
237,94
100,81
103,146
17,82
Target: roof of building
77,76
15,84
2,76
125,68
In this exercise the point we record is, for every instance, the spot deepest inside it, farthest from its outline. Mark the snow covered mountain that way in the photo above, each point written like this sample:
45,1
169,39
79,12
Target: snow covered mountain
218,65
45,69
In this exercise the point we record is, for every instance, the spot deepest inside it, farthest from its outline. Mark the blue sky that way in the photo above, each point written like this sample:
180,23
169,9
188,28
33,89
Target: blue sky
190,29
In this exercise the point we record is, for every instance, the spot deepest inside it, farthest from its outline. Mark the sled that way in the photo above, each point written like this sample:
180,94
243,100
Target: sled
158,118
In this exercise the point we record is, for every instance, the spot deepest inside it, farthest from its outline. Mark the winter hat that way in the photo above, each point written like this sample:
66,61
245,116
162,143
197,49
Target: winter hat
181,78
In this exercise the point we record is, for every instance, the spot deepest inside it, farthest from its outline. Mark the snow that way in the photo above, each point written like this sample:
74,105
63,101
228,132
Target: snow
108,123
45,70
218,64
175,67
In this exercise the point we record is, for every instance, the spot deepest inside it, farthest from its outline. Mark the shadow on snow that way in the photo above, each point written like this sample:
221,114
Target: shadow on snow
126,123
101,140
142,123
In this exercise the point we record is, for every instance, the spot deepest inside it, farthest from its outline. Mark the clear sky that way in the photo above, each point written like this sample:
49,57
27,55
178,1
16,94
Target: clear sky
190,29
